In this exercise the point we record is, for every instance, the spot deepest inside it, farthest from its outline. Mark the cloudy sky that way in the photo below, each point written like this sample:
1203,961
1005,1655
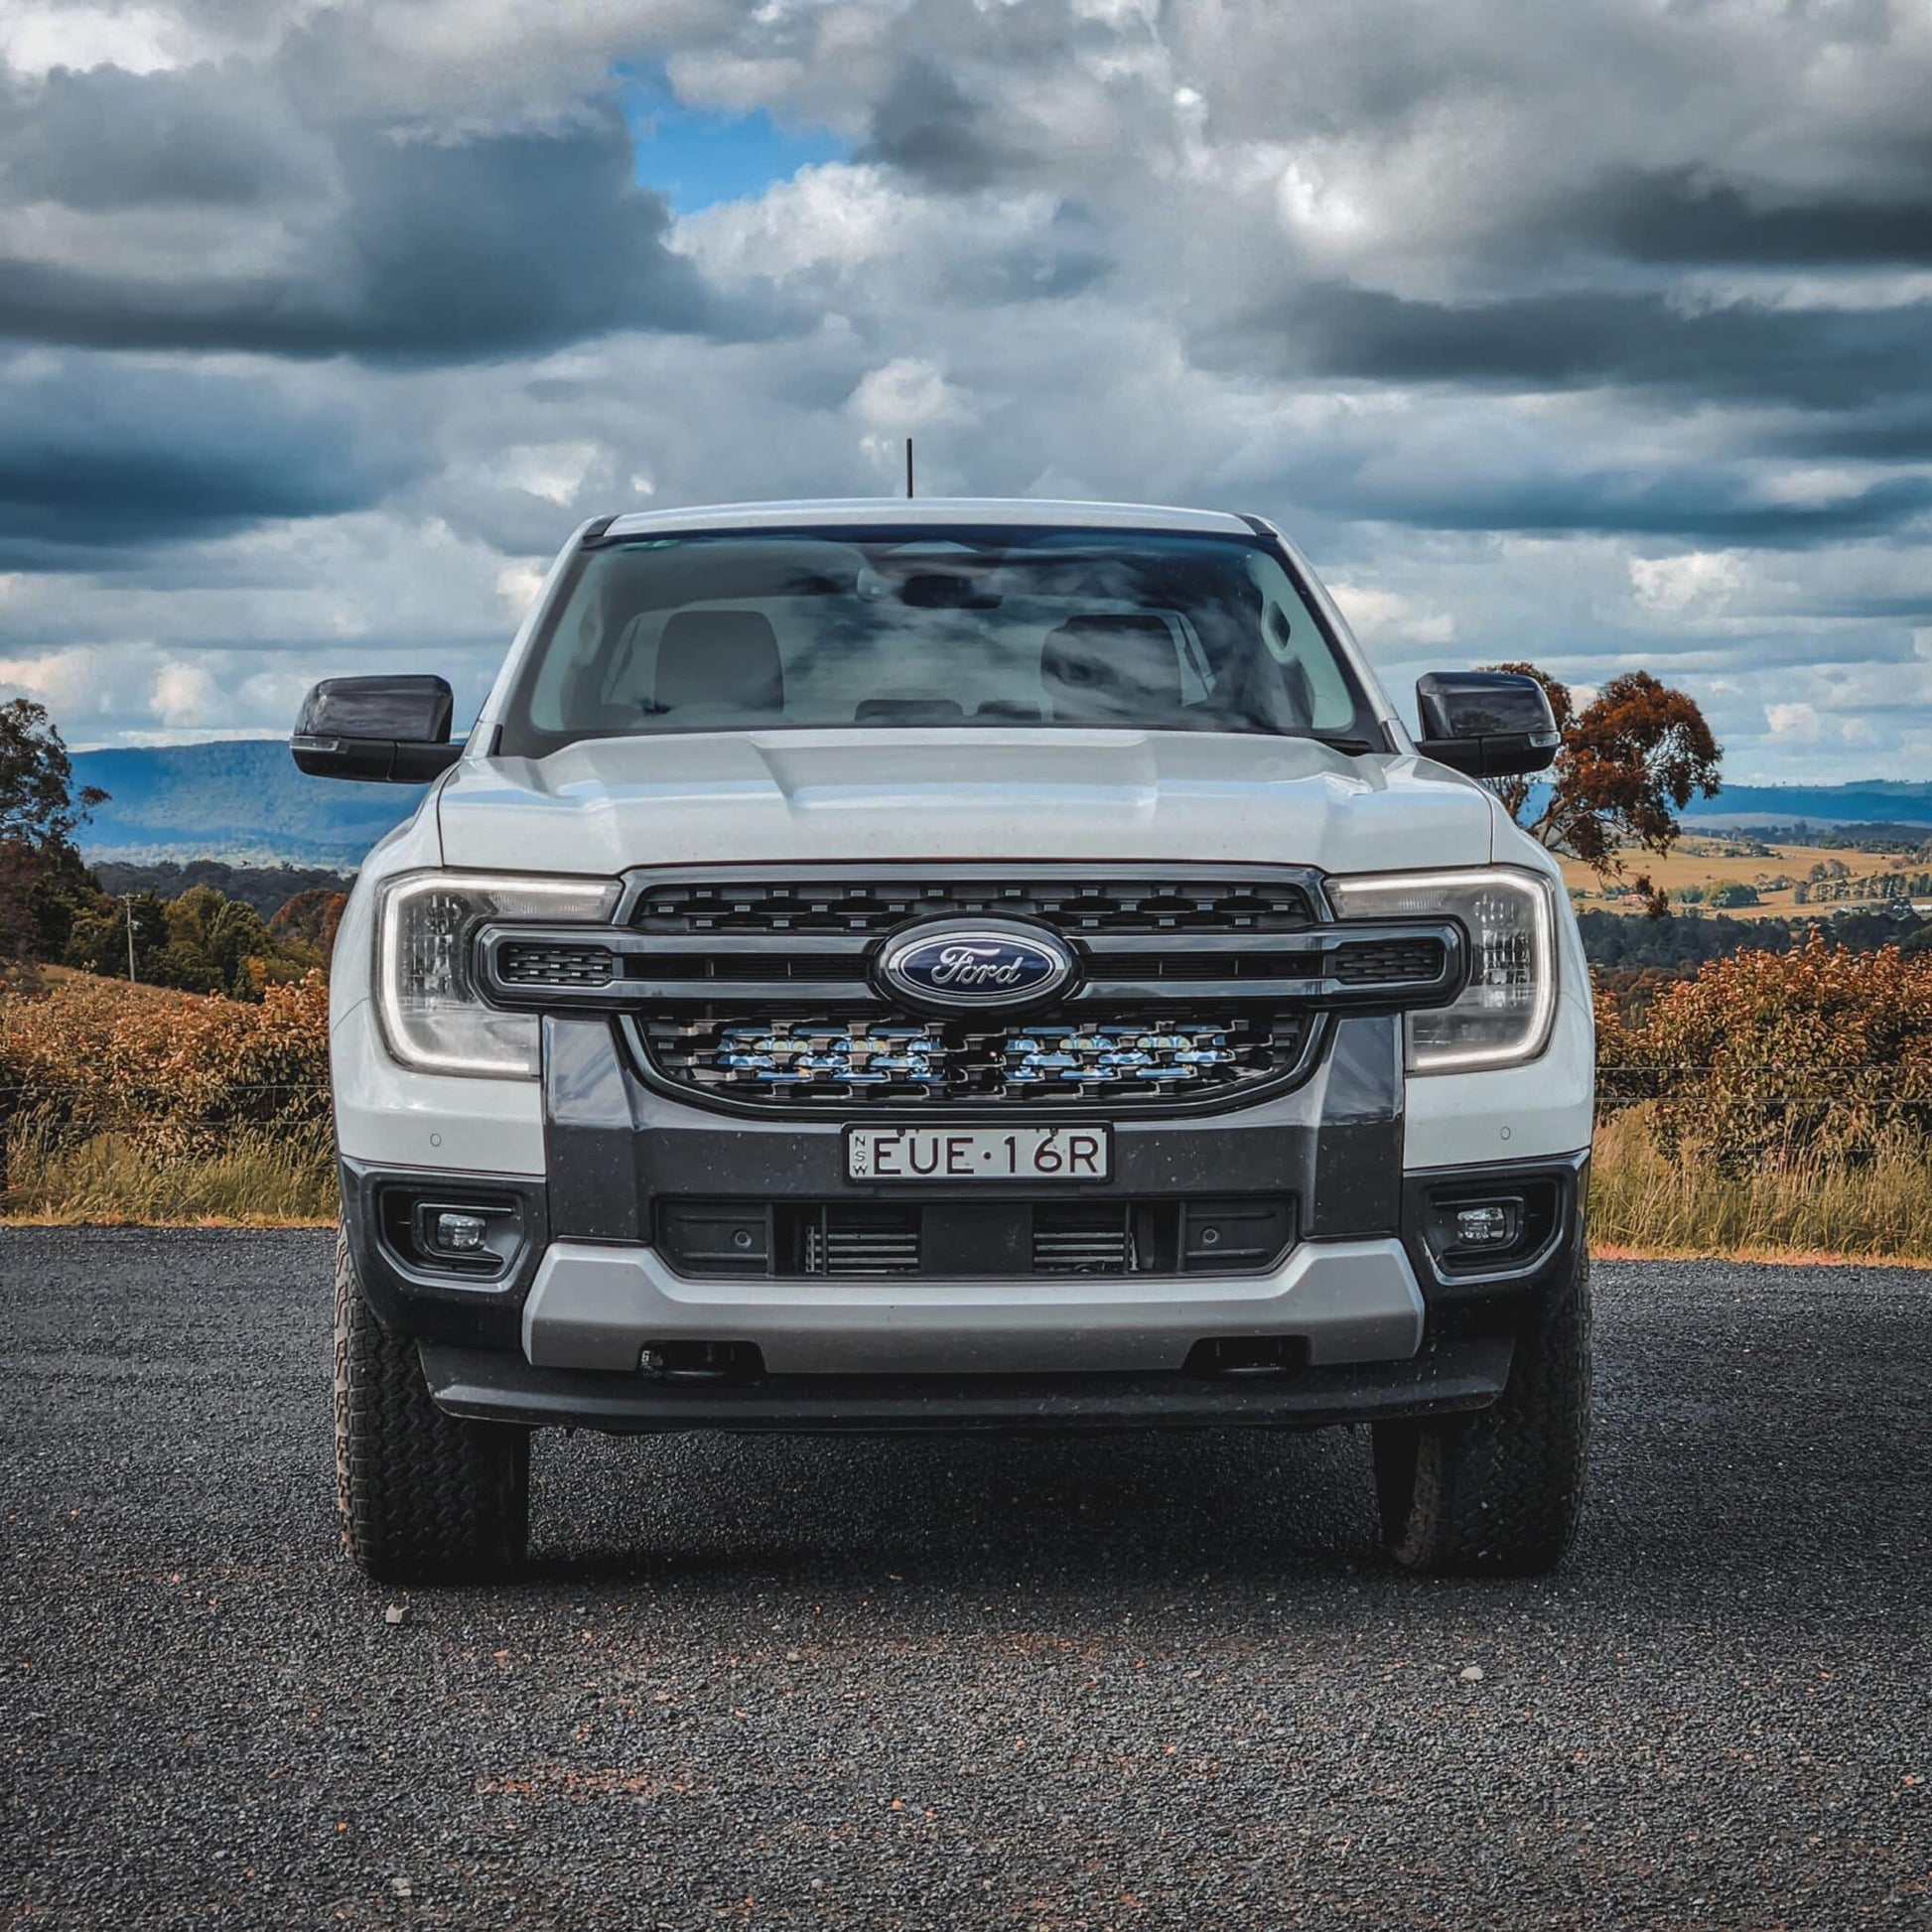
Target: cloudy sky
1598,334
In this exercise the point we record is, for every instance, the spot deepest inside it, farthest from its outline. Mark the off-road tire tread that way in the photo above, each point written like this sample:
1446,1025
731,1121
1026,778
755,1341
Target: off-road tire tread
1498,1492
422,1497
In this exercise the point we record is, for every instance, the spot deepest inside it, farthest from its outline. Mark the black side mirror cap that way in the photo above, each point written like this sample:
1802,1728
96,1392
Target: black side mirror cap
1487,724
381,730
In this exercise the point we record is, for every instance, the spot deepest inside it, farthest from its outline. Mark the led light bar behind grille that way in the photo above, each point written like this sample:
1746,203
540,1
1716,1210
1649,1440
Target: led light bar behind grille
858,1058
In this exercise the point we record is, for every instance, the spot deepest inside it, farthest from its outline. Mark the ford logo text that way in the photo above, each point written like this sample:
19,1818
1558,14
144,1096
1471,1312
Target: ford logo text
957,966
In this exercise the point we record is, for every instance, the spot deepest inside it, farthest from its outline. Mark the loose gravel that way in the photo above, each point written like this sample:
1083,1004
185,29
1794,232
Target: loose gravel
1080,1683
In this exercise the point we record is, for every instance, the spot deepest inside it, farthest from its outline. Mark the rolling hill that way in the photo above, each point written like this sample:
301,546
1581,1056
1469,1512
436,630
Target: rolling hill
1863,801
243,801
239,799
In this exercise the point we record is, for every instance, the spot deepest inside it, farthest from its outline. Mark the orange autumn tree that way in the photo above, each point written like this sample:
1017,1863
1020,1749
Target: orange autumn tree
1631,760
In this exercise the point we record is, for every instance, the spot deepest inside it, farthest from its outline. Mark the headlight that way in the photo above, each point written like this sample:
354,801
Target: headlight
1502,1017
432,1016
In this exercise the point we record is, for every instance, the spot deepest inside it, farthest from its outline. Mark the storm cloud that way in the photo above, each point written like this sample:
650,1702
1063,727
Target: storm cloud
1601,336
208,222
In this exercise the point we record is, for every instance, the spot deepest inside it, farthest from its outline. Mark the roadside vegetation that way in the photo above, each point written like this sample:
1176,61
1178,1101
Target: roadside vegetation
1772,1103
1765,1083
132,1103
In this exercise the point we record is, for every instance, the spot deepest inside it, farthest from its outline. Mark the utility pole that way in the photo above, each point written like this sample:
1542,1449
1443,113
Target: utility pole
909,468
129,899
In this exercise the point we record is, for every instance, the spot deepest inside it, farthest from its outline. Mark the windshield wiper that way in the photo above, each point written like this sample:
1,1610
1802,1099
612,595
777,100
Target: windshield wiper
1342,742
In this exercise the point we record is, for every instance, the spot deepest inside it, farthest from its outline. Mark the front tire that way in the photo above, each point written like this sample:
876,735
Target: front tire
1497,1492
423,1497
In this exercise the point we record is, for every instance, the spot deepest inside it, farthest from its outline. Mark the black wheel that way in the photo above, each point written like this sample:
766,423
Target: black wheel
1497,1492
424,1497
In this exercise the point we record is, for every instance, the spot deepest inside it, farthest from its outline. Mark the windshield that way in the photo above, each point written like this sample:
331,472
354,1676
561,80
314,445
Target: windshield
804,630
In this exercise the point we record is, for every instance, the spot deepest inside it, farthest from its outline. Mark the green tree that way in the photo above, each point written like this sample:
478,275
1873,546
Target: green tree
97,942
210,941
40,878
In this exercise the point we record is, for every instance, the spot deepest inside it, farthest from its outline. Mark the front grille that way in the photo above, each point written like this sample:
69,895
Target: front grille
856,1059
1155,906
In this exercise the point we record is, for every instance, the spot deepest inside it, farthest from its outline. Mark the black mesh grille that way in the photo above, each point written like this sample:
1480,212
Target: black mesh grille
534,965
845,1059
1202,965
1155,907
728,966
1388,962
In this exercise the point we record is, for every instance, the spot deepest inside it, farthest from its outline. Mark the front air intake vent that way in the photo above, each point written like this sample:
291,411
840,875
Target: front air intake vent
862,1240
1082,1238
1388,962
548,965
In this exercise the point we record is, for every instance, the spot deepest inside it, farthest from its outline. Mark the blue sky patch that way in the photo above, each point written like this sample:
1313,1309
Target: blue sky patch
697,157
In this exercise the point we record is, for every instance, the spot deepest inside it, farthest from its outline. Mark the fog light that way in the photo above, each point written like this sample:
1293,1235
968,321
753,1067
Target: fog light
1487,1224
460,1234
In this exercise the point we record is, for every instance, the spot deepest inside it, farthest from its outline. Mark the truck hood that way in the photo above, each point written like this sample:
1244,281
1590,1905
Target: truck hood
604,804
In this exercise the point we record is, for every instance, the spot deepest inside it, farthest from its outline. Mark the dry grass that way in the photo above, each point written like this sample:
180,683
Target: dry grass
256,1179
1645,1199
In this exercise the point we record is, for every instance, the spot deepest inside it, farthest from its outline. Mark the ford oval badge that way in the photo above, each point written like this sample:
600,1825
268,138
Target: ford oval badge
975,966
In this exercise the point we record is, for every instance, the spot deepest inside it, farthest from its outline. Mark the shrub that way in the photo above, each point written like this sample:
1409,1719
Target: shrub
177,1075
1766,1058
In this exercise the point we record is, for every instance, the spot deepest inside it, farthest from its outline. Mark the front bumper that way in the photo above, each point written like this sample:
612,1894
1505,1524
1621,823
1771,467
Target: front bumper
488,1385
586,1321
599,1307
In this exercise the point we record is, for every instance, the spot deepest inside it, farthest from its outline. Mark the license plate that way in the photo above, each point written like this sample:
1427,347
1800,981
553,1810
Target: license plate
1059,1154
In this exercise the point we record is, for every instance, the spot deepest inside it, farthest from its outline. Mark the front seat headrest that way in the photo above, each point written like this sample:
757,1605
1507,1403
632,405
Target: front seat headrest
719,660
1101,667
907,711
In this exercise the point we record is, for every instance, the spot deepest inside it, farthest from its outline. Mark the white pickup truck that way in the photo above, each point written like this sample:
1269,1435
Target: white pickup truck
954,965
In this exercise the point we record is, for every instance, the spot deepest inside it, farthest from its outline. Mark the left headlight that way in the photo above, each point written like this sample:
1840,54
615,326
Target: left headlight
433,1019
1502,1017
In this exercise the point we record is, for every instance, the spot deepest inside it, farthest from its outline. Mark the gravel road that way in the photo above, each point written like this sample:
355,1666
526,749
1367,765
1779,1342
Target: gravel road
1144,1682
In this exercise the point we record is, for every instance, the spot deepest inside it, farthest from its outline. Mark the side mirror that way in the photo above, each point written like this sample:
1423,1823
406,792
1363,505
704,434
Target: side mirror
1490,724
386,729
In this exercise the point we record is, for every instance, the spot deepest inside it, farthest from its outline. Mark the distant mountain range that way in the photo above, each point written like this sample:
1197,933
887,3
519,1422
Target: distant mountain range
1863,801
242,801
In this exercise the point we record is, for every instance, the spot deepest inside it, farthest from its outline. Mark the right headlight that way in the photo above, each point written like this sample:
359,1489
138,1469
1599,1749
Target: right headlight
1502,1017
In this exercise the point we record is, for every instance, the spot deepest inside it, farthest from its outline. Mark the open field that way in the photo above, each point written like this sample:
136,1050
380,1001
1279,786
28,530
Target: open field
1148,1682
1700,861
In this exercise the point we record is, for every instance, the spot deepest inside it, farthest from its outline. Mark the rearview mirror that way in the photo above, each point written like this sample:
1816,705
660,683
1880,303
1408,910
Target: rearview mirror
385,730
1489,724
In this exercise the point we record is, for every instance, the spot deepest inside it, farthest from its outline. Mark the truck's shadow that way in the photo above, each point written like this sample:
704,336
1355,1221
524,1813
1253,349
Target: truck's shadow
960,1509
1736,1444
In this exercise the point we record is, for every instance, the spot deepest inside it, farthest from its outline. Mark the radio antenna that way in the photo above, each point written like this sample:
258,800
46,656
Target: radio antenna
909,468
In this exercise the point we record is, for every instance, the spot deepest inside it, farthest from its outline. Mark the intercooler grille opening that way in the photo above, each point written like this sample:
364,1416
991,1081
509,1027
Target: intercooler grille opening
970,1237
848,1059
1088,1238
859,1240
1209,903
